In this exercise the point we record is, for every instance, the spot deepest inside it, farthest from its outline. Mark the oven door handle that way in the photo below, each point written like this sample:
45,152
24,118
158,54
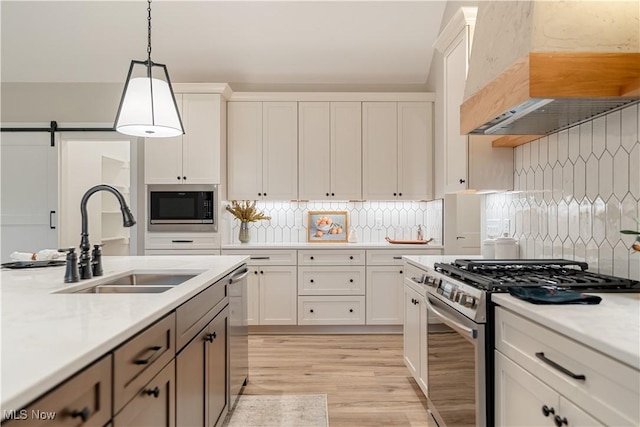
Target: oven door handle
473,333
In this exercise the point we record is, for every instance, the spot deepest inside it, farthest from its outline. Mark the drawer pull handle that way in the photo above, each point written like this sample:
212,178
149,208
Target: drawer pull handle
211,337
541,356
155,392
546,410
397,257
559,421
181,241
146,361
84,414
260,257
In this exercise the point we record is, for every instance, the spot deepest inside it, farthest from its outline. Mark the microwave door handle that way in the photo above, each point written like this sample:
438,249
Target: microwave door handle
472,333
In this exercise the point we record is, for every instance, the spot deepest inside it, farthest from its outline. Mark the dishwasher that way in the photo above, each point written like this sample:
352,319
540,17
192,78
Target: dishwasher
238,333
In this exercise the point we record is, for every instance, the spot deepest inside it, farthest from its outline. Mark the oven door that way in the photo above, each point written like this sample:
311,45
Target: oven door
456,360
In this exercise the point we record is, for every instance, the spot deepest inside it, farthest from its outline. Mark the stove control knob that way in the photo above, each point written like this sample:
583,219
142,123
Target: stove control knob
469,301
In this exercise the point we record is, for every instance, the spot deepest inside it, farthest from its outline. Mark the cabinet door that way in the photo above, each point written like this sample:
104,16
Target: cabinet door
163,156
415,150
154,405
385,296
216,375
278,294
379,150
455,144
521,397
253,296
201,141
244,150
346,150
190,382
412,331
315,154
280,150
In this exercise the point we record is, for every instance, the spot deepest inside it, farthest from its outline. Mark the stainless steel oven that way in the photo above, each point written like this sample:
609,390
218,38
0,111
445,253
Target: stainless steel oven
182,207
456,366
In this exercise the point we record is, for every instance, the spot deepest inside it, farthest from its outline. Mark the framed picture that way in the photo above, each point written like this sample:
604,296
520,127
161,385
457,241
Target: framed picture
327,227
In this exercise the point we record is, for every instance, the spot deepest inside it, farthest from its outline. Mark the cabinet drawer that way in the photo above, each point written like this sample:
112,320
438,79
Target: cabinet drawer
331,310
331,281
88,393
154,403
182,241
610,390
331,257
194,314
141,358
266,257
394,256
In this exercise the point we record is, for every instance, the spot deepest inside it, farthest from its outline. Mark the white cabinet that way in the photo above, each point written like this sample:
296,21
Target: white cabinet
330,143
415,334
331,287
397,147
193,158
271,286
469,162
262,150
539,371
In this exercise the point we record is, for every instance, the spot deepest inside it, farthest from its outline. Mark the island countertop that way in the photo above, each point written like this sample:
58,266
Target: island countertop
48,336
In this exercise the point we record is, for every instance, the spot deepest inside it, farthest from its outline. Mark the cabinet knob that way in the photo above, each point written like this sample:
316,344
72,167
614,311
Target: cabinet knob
395,194
351,310
413,300
259,194
264,194
211,337
179,178
546,410
559,421
400,271
327,194
333,194
261,272
462,181
350,280
83,414
400,194
155,392
184,178
255,272
311,311
310,257
351,257
311,280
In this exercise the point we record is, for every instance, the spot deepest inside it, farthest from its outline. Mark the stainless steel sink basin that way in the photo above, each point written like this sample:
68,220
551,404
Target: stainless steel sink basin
124,289
138,283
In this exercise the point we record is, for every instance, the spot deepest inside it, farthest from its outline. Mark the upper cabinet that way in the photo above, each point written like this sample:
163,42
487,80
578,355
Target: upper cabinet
330,143
193,158
397,146
262,150
469,162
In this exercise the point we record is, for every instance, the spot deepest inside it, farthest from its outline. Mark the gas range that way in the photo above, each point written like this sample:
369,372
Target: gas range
465,284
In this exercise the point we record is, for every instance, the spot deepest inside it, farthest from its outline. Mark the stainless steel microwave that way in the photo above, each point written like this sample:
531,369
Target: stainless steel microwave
183,207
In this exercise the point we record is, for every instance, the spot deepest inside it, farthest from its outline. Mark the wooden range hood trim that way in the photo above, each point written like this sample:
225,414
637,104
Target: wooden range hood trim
551,75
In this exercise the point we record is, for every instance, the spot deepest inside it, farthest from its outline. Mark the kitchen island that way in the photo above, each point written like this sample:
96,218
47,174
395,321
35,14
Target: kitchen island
48,336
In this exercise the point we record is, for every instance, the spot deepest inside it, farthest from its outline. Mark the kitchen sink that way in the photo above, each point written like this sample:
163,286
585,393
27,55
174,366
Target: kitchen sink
137,283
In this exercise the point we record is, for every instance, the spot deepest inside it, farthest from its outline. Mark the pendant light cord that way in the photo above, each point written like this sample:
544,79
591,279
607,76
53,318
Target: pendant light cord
149,63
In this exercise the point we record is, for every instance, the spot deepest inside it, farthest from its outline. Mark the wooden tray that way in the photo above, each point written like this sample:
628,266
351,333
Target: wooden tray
408,242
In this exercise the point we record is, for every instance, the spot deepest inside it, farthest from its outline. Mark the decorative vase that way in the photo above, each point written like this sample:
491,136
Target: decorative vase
244,236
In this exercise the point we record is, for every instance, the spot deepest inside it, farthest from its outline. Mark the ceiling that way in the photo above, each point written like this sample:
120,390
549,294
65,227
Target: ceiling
255,44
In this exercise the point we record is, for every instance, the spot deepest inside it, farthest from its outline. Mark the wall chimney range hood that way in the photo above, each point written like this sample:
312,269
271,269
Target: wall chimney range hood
539,67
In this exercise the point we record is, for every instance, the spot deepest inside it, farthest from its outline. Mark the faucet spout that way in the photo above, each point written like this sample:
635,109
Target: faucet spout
127,221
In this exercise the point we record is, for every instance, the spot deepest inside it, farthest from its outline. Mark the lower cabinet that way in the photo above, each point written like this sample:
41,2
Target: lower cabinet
154,405
385,295
415,330
272,295
201,381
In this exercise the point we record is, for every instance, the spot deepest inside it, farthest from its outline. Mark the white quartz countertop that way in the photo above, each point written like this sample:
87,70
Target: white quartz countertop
611,327
304,245
47,336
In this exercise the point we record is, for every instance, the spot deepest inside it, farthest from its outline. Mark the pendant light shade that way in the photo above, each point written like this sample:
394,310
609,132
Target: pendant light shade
148,106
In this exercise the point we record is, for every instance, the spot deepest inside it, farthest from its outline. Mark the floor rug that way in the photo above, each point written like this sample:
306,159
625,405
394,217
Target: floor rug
298,410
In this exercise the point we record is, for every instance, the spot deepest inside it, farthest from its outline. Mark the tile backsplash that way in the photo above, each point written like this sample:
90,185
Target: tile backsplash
574,191
372,220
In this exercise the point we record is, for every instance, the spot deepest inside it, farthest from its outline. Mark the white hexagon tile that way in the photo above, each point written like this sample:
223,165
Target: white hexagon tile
590,177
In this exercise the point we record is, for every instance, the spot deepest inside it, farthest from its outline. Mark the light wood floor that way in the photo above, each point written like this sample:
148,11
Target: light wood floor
363,376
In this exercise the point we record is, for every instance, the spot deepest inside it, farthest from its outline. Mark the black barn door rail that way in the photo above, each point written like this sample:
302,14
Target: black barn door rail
53,128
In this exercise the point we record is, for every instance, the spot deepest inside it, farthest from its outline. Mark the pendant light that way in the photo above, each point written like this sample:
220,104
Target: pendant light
148,106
